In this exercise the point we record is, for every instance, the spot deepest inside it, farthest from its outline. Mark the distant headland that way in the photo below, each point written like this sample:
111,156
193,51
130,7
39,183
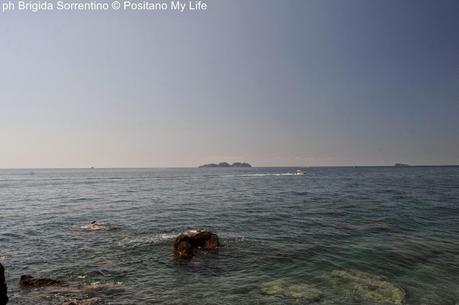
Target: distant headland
225,164
401,165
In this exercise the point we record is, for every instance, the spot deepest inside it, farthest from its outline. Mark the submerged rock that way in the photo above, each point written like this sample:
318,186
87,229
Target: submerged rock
187,244
3,287
72,293
91,301
367,287
28,281
304,292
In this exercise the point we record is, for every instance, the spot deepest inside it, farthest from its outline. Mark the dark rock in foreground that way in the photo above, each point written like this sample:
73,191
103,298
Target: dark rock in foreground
3,288
225,164
188,243
28,281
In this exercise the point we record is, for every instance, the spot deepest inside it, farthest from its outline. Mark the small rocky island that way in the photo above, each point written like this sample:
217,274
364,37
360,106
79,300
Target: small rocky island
401,165
226,164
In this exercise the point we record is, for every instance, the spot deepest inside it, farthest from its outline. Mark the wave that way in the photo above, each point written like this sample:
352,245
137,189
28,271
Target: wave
146,240
98,226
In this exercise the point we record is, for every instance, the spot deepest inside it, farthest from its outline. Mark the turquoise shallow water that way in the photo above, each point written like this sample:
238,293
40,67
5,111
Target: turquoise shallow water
400,223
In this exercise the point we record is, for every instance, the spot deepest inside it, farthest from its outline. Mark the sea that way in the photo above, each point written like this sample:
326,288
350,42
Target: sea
392,227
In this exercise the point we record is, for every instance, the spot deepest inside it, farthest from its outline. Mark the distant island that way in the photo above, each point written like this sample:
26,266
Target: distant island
225,164
401,165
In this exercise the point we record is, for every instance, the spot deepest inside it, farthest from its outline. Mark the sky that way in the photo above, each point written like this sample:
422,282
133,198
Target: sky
273,83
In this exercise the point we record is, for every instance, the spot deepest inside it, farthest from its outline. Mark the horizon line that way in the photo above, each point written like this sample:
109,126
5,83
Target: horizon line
197,167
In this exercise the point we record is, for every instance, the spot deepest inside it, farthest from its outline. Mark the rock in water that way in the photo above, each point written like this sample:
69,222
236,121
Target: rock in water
304,292
367,287
97,226
188,243
28,281
3,288
92,301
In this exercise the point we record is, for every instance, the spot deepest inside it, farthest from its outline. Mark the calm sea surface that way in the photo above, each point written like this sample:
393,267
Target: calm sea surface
400,223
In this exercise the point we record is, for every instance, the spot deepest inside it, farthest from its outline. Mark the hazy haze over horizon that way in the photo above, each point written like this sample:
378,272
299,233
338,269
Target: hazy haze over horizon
265,82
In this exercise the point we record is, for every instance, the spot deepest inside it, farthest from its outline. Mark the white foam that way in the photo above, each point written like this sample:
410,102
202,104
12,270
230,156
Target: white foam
267,175
96,226
145,240
264,175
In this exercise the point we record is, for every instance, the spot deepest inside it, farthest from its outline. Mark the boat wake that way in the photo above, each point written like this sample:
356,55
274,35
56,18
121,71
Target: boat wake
297,173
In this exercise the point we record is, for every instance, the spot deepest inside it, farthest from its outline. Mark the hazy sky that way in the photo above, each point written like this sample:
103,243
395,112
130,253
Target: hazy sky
323,82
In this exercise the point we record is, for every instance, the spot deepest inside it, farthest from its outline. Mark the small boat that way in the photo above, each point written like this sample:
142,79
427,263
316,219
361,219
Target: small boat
299,172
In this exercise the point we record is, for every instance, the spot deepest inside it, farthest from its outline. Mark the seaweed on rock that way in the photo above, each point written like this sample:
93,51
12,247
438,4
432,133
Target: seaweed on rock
282,287
366,286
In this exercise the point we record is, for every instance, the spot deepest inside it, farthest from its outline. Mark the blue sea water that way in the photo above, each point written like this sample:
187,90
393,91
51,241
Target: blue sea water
400,223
